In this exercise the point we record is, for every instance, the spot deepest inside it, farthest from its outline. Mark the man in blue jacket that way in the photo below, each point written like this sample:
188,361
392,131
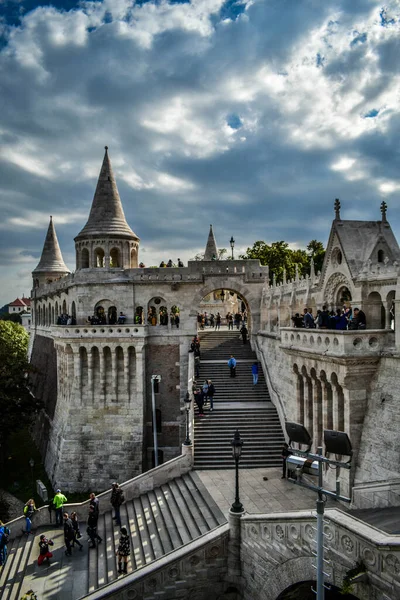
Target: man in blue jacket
232,365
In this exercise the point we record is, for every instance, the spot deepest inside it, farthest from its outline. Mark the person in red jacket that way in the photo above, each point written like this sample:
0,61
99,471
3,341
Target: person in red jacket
44,552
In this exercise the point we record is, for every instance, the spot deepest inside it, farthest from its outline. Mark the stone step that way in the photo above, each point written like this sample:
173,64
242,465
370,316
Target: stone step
158,522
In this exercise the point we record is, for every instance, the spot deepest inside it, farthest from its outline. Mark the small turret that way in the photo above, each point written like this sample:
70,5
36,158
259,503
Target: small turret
51,265
106,240
211,252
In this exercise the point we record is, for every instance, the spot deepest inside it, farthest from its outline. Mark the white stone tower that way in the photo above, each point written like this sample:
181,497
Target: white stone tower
51,265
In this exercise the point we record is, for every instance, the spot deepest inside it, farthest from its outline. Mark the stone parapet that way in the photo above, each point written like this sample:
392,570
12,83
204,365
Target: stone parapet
377,494
326,342
277,552
196,570
132,488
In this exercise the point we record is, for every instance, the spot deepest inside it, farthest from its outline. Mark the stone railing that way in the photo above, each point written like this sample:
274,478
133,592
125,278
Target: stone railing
370,342
101,331
196,570
272,542
132,489
374,494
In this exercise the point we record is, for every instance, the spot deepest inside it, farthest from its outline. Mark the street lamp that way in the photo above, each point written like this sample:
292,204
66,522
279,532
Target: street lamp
336,442
222,295
188,401
236,443
232,243
32,464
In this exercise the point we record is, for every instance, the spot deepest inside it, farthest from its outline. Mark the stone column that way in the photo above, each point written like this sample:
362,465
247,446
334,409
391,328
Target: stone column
397,323
90,375
308,405
114,376
326,391
140,376
335,405
317,411
127,384
107,255
102,391
77,375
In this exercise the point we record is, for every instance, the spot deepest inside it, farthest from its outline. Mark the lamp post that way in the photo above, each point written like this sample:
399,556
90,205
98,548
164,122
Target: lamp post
188,401
232,243
336,442
222,295
155,380
32,464
236,443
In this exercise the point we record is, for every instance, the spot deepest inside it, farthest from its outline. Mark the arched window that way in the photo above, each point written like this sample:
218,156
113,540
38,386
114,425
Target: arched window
155,306
114,258
139,315
52,315
381,256
64,307
112,315
152,315
73,313
99,257
85,259
175,316
163,312
100,315
134,258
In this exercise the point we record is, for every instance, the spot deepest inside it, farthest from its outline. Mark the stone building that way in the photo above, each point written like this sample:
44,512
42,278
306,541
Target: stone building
94,371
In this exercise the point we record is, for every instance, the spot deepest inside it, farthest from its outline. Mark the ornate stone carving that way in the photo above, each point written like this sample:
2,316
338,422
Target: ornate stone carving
308,530
254,531
334,282
214,551
393,564
132,594
347,544
369,557
280,534
194,560
173,573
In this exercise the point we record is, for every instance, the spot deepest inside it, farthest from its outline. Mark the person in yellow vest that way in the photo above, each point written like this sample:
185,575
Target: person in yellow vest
59,500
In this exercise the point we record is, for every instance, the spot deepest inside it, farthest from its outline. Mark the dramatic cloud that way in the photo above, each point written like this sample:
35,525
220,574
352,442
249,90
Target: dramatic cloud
252,115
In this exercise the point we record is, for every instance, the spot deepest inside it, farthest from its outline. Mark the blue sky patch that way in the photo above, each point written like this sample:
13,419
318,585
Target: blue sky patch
371,114
360,38
234,121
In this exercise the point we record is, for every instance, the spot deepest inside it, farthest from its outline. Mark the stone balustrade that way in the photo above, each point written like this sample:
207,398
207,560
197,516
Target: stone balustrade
277,552
100,331
370,342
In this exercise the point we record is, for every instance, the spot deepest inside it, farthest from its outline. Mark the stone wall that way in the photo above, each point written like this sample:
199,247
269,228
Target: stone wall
194,572
349,387
277,552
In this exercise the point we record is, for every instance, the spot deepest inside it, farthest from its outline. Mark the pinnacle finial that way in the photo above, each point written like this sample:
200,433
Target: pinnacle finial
337,209
383,210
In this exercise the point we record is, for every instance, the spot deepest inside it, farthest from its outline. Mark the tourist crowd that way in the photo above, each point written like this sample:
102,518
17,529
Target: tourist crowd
341,319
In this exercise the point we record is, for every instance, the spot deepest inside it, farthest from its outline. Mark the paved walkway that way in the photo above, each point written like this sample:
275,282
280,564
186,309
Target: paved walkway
256,495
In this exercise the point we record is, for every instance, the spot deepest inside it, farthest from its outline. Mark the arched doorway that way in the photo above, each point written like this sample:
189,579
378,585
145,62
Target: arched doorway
375,311
226,302
304,591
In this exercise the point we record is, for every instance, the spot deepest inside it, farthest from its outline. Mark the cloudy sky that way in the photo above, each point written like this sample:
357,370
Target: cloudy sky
251,115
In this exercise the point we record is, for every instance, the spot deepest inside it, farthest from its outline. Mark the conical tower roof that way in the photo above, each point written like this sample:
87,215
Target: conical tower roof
211,247
51,260
107,216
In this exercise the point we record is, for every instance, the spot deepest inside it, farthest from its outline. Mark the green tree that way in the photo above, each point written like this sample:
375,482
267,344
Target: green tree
17,405
316,251
279,257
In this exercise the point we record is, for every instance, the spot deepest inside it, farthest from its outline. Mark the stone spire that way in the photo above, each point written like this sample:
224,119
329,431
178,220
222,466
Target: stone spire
383,211
337,209
107,216
211,247
51,260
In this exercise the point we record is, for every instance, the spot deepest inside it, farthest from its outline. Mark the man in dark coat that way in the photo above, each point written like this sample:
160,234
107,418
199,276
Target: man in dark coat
68,534
92,527
244,333
117,498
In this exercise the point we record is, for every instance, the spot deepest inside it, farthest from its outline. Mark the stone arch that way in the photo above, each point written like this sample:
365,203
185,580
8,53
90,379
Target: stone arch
73,311
251,299
115,258
139,315
64,307
153,310
375,311
108,375
335,282
52,316
300,394
305,591
99,257
103,309
317,408
308,402
163,315
48,323
85,258
337,403
134,257
175,315
390,310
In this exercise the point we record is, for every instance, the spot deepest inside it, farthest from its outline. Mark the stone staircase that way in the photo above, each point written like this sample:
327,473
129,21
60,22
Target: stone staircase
238,404
159,522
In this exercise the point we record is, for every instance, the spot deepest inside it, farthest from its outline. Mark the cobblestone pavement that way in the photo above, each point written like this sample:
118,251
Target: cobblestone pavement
256,495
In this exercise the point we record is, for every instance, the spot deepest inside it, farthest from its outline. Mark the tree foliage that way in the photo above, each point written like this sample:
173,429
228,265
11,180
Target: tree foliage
17,405
279,257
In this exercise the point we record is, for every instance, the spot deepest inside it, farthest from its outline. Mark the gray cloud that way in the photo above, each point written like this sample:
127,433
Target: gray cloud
160,84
